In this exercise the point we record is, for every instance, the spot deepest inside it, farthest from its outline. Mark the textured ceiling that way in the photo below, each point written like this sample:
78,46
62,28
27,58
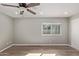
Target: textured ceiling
44,10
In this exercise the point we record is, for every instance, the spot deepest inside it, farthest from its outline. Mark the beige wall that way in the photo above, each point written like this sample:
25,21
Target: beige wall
6,25
28,31
74,31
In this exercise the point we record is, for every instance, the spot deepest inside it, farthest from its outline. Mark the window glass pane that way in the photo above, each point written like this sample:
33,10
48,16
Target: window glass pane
55,29
58,31
46,29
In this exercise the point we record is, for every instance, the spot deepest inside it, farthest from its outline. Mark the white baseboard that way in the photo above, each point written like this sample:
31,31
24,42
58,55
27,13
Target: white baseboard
33,45
6,48
74,48
41,44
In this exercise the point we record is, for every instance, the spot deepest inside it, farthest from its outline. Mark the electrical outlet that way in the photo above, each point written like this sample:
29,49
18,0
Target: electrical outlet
9,43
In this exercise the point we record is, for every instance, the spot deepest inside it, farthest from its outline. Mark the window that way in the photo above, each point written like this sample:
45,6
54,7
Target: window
49,29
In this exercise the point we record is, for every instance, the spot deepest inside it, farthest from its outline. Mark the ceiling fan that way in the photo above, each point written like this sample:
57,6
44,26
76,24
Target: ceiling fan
24,5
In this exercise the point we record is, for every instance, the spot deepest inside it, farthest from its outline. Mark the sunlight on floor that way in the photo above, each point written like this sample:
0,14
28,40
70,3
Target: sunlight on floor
33,54
40,54
49,55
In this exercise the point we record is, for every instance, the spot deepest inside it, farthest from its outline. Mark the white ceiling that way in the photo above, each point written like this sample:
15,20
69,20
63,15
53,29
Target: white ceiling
44,10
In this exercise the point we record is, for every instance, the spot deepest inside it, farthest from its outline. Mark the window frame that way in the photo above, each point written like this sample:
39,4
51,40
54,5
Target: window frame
51,29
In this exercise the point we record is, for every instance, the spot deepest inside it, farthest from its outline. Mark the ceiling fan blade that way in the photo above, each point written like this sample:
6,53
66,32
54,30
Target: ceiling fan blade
33,4
31,11
10,5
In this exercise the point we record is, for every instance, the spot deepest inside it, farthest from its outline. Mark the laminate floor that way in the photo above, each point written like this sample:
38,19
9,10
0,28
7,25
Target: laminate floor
40,51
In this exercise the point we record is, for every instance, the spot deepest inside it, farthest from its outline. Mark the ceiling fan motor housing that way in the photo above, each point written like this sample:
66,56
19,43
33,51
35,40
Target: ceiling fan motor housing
22,5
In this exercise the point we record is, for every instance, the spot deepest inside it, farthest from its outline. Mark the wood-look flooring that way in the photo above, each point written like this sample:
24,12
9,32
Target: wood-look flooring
40,51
